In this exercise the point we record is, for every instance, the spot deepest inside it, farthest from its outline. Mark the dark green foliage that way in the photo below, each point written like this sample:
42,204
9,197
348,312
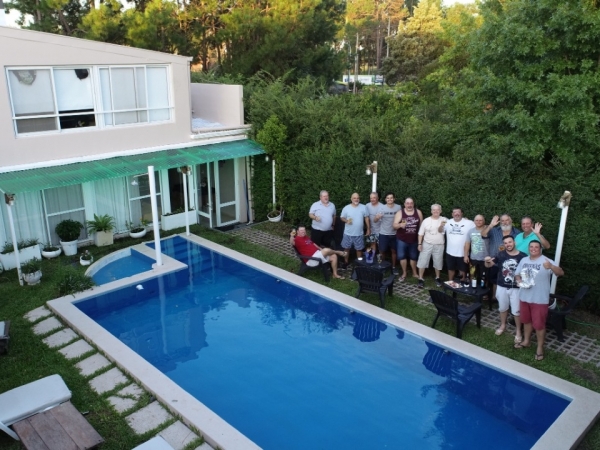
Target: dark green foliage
70,281
427,147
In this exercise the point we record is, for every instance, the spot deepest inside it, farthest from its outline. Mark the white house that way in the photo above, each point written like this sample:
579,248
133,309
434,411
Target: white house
81,121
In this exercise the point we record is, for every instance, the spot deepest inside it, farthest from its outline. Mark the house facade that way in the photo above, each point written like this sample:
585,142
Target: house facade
81,121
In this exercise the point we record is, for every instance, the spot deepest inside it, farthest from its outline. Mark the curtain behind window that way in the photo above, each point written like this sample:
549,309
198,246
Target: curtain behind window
113,201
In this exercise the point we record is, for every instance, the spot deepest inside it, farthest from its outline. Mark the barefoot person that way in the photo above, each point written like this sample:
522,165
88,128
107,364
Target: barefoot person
306,247
507,292
533,275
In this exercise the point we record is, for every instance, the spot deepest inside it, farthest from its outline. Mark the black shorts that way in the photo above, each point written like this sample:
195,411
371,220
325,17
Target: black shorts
322,238
455,263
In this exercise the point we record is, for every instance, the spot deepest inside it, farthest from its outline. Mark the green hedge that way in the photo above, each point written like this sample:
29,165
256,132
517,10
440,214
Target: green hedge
423,154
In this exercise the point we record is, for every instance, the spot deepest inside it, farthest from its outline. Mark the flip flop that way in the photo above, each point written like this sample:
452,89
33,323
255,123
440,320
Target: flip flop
539,357
518,340
340,278
520,346
499,331
401,279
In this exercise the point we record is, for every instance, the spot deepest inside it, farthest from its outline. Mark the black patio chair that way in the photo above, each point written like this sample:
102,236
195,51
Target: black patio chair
372,280
324,267
448,306
564,306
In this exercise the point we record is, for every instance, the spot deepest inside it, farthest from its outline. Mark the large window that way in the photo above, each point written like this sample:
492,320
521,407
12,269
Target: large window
52,99
135,95
49,99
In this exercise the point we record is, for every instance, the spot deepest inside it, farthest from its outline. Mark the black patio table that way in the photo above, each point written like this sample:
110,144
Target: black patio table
476,292
382,267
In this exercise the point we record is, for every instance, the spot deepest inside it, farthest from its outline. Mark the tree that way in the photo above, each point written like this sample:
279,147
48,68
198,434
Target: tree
539,76
52,16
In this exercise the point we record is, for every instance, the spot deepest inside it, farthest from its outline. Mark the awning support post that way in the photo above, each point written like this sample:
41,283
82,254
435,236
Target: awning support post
185,170
155,225
563,204
10,201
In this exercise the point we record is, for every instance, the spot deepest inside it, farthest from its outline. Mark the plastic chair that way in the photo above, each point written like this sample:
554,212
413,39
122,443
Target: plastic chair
371,280
318,264
448,306
557,316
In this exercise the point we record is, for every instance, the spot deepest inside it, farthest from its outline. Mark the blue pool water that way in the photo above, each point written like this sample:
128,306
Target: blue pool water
292,370
123,267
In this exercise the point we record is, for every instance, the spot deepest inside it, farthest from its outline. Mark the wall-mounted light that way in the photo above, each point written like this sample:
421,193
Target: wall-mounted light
9,199
135,182
267,158
371,168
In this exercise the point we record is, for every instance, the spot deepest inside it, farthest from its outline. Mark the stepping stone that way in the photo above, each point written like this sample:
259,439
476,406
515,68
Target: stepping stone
45,326
121,404
123,400
205,446
178,435
148,418
92,364
76,349
108,381
37,313
60,338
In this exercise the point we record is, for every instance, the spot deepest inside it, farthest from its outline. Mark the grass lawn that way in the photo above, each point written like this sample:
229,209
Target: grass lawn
29,359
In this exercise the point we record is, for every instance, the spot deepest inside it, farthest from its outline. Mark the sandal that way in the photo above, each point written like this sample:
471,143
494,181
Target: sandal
339,277
539,357
401,279
518,339
520,345
499,331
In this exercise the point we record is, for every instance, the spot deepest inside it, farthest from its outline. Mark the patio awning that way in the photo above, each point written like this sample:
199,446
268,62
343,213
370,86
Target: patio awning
122,166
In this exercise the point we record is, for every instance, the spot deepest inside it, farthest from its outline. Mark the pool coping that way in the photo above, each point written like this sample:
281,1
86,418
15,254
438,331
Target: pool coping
565,433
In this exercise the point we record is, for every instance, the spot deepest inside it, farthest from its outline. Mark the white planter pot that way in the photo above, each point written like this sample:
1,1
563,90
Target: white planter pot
85,262
32,278
138,235
8,260
102,238
70,248
177,220
50,255
273,218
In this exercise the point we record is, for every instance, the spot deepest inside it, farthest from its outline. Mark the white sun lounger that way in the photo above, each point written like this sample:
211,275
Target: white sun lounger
29,399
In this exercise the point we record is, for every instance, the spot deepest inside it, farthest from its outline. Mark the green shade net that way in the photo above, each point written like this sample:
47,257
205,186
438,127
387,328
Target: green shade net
123,166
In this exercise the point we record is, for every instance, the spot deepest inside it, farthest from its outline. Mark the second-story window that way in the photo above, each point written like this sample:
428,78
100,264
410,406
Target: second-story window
134,95
49,99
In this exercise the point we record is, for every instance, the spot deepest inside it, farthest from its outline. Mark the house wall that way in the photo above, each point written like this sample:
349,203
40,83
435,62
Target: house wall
222,103
30,48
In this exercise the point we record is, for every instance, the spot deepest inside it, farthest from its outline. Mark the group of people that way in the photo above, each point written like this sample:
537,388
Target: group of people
510,259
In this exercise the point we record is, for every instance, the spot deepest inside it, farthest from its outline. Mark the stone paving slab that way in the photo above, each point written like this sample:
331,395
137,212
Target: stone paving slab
37,313
76,349
61,338
47,325
204,446
121,404
579,347
92,364
108,381
148,418
178,435
133,390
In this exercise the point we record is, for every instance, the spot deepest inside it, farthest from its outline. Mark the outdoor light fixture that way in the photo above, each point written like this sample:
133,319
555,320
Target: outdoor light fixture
185,170
135,182
267,158
9,199
372,170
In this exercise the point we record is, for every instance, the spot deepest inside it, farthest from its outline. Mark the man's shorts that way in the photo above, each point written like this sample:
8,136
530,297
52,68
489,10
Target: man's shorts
534,313
358,242
387,242
456,263
508,297
317,254
492,274
322,238
407,251
429,250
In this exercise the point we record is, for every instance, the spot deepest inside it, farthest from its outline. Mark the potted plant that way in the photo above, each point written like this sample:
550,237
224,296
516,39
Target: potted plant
28,249
50,251
32,271
276,214
176,219
86,259
68,231
102,227
137,231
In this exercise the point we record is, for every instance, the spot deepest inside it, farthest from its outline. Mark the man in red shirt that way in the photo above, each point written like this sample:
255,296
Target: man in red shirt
306,247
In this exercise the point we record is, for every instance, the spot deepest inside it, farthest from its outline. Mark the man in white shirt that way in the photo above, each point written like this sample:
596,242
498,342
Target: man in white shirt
431,244
322,214
456,235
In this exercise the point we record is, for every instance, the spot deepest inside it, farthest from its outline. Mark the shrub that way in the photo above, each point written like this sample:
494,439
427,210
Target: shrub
72,281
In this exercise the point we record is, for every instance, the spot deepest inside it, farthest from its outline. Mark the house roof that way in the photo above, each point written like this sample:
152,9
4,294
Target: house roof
36,179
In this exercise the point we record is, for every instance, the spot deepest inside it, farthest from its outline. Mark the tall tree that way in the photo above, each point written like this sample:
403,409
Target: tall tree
52,16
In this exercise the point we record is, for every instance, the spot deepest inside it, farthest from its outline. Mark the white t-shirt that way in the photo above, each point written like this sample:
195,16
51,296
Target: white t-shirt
429,231
456,235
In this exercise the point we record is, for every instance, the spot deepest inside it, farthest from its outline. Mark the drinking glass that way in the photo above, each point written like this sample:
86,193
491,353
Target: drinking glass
378,258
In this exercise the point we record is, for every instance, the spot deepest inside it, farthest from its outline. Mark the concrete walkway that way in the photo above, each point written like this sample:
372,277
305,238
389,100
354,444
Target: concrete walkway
580,347
126,397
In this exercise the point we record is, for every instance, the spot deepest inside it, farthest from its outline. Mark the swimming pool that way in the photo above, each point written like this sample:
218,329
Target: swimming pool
363,348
